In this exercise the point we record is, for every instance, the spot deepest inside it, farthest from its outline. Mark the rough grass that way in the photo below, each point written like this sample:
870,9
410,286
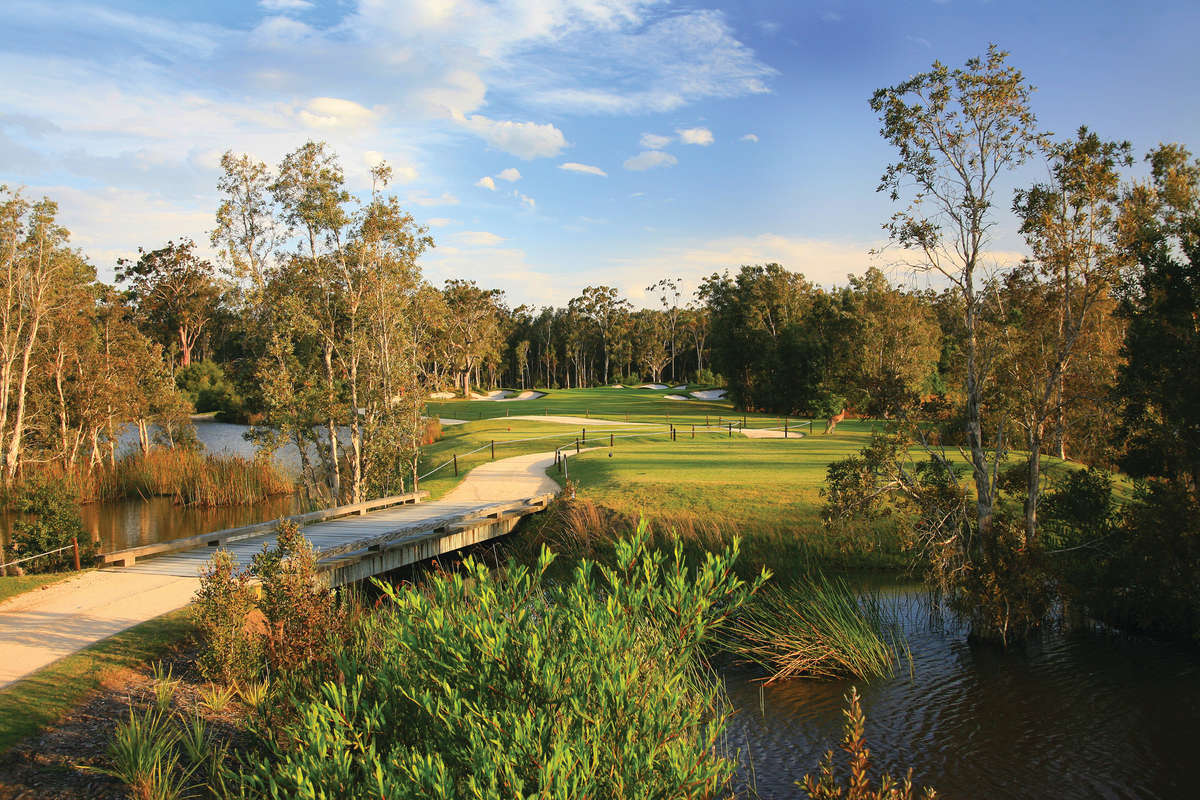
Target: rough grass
44,697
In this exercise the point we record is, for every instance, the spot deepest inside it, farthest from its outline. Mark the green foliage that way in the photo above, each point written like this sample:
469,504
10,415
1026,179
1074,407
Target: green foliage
205,385
498,685
55,523
857,786
144,753
231,648
303,617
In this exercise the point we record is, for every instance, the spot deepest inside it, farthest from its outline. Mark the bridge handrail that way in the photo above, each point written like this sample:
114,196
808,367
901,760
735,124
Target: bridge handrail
128,555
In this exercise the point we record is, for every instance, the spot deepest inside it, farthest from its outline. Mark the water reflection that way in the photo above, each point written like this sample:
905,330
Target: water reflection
1073,715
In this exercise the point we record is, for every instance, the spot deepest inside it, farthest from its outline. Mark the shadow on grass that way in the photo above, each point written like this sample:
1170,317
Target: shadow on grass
31,704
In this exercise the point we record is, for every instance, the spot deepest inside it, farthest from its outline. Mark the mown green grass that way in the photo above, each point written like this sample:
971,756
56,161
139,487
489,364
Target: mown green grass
13,585
32,703
638,405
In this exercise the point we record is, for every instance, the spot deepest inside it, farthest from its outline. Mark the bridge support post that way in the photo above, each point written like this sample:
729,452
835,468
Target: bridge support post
456,465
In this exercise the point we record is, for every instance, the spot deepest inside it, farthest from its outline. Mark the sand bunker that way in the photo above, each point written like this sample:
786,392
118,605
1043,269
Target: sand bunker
525,395
653,386
769,433
442,396
452,421
495,394
674,397
584,421
709,394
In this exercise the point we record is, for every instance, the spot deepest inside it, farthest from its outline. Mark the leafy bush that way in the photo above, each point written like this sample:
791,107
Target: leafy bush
205,384
231,648
55,523
303,617
507,685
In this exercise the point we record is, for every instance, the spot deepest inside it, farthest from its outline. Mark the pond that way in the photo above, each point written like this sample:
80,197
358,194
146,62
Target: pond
127,523
1082,714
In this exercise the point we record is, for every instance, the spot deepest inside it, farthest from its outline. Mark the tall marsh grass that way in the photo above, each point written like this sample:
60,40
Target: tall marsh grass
816,628
187,476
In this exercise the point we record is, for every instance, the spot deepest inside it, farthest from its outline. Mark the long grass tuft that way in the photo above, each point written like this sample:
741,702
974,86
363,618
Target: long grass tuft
145,757
189,477
817,628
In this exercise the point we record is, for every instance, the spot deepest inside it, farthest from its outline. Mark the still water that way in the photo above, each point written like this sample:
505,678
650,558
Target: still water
1082,714
128,523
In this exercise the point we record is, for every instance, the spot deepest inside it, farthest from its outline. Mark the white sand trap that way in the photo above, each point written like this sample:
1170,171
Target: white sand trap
617,386
769,433
653,386
680,388
675,397
495,394
582,421
442,396
709,394
525,395
451,421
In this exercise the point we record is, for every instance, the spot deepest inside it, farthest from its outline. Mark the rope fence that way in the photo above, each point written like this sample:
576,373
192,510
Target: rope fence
74,545
644,430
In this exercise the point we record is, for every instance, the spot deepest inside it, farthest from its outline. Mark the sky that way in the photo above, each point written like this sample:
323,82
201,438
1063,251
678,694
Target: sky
553,145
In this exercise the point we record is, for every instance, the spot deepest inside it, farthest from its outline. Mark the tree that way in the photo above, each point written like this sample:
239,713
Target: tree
1069,223
1159,382
957,132
174,292
472,318
669,293
604,306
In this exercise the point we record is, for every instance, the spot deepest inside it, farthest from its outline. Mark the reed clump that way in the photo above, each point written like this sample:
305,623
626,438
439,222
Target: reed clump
815,628
189,477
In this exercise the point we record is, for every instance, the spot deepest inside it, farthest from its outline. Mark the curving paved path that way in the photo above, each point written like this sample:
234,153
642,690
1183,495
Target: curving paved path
41,626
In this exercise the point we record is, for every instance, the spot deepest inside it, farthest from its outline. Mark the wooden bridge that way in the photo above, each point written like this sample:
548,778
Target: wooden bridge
353,542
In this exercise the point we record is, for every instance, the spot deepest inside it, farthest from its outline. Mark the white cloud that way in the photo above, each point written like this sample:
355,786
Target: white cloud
653,141
486,182
439,222
525,200
649,159
285,5
477,239
700,136
512,175
750,137
333,112
572,166
527,140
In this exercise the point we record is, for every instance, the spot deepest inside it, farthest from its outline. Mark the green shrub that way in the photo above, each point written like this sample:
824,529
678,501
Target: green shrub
205,384
304,621
502,685
144,754
231,647
55,523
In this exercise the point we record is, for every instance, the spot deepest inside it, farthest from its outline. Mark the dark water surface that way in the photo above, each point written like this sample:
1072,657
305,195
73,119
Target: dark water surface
1085,714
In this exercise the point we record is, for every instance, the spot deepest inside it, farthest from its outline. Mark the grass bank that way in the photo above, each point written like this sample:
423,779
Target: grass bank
32,703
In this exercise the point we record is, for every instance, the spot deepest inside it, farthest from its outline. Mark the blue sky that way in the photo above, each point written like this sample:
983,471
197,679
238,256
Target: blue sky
551,145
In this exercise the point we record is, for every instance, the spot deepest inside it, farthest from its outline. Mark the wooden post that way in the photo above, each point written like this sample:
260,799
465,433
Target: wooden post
576,447
693,431
731,430
743,420
706,420
610,441
3,560
785,426
493,449
810,427
75,549
558,459
456,465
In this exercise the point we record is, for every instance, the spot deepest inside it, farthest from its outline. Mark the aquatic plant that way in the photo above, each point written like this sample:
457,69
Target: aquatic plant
815,628
826,786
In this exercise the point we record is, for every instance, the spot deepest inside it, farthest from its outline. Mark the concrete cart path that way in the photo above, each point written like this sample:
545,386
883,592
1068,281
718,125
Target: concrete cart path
41,626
